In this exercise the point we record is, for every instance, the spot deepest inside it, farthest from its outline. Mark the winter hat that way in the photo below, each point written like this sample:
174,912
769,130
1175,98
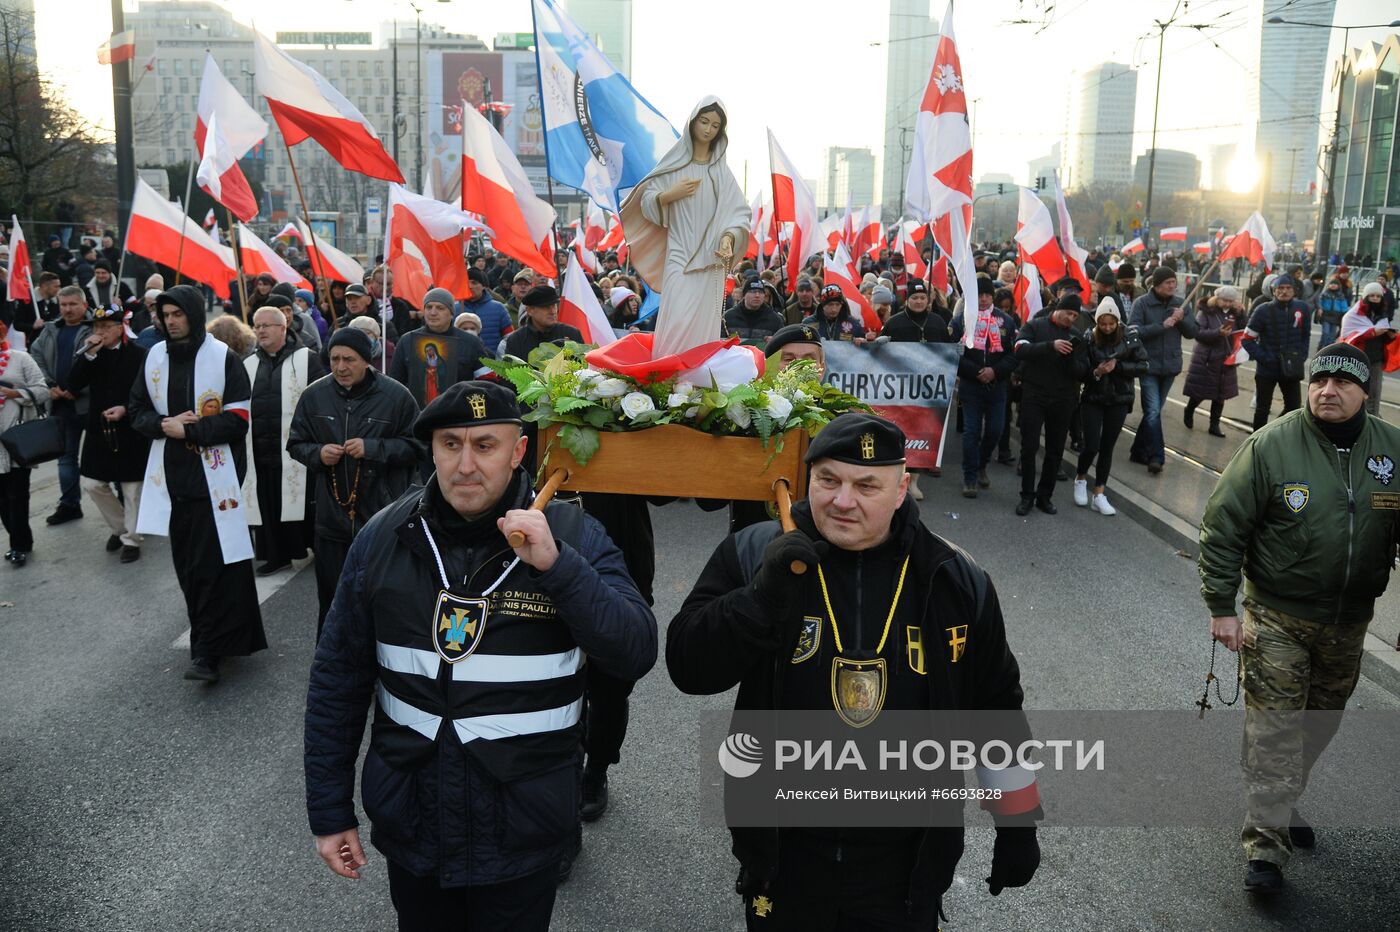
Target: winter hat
439,296
306,296
618,296
1104,276
1069,302
881,295
1342,361
1373,290
1125,271
1285,281
286,290
354,339
986,286
1228,293
1110,307
1162,274
478,276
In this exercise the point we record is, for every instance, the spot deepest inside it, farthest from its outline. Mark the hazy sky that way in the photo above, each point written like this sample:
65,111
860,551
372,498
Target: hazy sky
809,69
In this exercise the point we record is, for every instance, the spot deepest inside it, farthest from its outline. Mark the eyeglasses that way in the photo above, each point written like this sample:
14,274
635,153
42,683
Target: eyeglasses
269,326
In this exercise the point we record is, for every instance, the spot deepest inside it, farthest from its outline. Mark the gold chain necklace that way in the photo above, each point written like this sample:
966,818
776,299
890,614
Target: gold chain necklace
836,632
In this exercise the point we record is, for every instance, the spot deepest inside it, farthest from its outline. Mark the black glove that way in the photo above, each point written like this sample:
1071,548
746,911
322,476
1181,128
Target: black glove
1015,858
775,585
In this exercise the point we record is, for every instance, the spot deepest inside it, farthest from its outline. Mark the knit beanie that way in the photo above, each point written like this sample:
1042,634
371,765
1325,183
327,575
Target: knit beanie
354,339
439,296
1162,274
1342,361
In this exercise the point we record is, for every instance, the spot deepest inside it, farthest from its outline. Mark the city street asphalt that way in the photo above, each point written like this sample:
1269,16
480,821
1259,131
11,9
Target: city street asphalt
133,800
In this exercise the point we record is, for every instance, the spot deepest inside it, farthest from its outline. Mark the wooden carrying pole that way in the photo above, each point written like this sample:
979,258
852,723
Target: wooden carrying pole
238,264
1200,280
542,498
784,496
318,267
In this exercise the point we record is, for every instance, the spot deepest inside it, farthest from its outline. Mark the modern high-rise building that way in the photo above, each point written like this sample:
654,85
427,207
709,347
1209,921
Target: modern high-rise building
1290,63
1043,168
910,47
848,177
609,24
1102,106
1222,156
1175,171
1366,215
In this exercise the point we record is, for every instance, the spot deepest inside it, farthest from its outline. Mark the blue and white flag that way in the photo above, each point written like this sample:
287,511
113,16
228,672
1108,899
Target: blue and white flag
601,136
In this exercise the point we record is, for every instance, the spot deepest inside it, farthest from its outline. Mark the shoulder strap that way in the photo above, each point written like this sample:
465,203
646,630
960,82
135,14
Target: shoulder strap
970,578
566,521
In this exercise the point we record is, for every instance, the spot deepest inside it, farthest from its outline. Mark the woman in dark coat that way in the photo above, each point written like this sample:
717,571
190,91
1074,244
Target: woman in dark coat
1209,379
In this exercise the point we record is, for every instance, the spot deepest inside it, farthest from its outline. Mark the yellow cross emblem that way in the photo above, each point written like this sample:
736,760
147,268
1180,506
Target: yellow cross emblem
478,403
762,906
461,626
957,641
867,446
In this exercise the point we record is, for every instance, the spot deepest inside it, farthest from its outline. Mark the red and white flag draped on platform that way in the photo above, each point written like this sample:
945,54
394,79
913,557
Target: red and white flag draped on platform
1035,238
426,244
326,260
1173,233
793,203
579,307
866,232
305,105
19,280
240,128
838,270
939,187
258,257
160,231
1252,243
495,186
1133,245
904,244
119,48
1075,255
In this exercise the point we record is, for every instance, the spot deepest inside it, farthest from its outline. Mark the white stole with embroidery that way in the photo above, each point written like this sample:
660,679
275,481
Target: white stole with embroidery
220,473
293,373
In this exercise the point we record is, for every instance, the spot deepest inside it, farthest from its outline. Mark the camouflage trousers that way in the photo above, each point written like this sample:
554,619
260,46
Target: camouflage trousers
1296,672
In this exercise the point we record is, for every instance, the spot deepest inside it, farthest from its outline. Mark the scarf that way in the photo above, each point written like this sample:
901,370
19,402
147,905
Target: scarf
4,364
1343,435
987,336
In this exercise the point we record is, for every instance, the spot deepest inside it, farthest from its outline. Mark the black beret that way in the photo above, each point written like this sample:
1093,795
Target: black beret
985,285
476,275
540,296
859,438
468,404
1069,281
354,339
793,333
277,300
916,287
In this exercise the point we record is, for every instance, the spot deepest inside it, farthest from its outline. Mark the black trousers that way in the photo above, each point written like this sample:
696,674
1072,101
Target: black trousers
1292,390
813,893
14,508
1053,416
1102,425
521,905
221,599
276,541
605,726
330,560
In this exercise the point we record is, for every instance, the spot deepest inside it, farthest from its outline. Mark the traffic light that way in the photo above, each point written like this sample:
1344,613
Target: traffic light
1001,188
1040,183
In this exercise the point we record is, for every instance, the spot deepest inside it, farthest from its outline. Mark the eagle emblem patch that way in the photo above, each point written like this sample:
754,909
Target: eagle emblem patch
1295,496
1382,467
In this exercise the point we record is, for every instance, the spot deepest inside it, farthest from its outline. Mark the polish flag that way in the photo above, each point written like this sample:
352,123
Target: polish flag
1027,292
258,257
1133,245
905,245
614,237
869,237
755,226
1074,254
938,275
595,225
306,105
832,229
838,270
19,285
426,239
1239,349
793,203
1173,233
209,220
1358,338
1252,243
326,260
939,184
156,231
494,186
240,128
1035,235
121,47
1202,248
579,307
587,258
289,231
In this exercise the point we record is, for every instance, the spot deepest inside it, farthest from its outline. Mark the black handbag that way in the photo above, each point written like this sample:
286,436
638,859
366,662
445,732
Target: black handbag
34,441
1290,364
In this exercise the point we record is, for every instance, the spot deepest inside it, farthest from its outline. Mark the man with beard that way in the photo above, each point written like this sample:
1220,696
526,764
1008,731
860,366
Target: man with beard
192,399
276,489
104,289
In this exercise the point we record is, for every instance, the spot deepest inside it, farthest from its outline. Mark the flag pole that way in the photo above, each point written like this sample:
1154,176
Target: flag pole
384,283
548,171
237,263
184,210
317,265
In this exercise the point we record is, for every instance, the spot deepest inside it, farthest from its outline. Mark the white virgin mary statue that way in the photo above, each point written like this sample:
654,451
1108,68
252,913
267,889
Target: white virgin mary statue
685,222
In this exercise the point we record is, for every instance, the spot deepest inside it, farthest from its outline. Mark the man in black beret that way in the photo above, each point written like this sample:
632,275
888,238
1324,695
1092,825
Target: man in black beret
354,434
849,632
540,323
472,654
797,341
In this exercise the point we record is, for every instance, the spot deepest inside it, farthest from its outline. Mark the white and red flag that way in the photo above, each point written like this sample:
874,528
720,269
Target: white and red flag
1074,254
579,307
305,105
1027,292
1173,233
120,47
209,220
587,258
904,244
833,229
596,225
495,186
1132,246
289,231
328,261
19,280
160,231
1239,348
755,227
1035,237
1201,248
240,128
258,257
426,242
940,171
938,275
793,203
866,232
838,270
1252,243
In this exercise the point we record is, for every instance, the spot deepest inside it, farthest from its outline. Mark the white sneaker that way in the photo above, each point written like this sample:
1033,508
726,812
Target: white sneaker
914,488
1081,492
1102,506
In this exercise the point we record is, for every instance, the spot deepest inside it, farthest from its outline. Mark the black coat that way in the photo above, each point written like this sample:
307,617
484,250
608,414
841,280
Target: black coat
1281,331
379,410
1118,386
1047,374
521,342
1208,378
267,398
112,450
928,327
756,325
973,361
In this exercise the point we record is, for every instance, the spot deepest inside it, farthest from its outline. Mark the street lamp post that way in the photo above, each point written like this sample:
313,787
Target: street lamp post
1323,246
418,96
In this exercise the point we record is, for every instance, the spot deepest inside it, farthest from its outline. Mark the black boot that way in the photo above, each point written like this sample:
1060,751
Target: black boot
1189,418
1024,508
1263,877
595,794
1044,504
1215,430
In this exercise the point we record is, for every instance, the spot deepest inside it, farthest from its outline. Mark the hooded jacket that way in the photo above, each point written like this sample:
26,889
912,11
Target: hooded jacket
1163,344
1119,386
